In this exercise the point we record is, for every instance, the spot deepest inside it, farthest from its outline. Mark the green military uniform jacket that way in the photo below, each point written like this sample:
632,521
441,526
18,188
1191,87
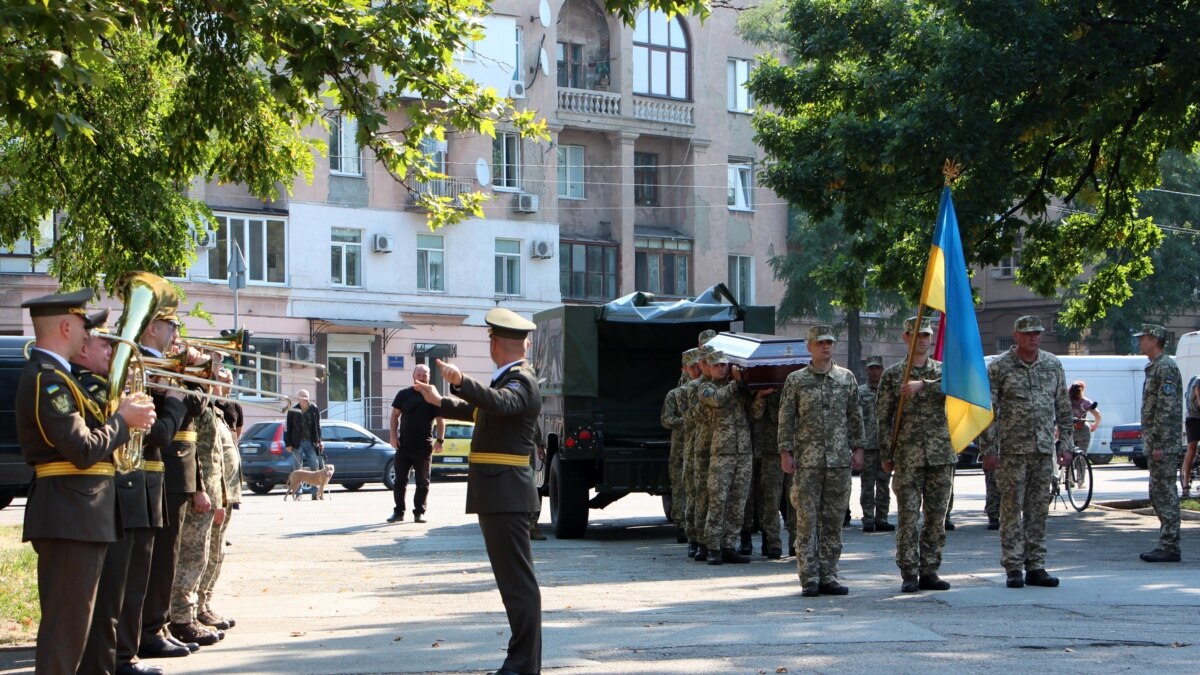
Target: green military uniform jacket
1029,401
1162,406
819,418
924,438
867,396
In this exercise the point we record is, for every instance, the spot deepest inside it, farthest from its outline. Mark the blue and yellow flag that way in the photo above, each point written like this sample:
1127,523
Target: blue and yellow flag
964,373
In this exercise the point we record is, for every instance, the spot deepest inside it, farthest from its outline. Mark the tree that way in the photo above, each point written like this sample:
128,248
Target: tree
224,90
1051,109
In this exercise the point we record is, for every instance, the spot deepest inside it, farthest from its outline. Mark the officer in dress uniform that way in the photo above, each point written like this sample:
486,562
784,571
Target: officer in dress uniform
500,483
71,513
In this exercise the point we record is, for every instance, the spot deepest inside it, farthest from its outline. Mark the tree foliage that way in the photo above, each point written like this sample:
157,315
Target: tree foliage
1052,108
109,109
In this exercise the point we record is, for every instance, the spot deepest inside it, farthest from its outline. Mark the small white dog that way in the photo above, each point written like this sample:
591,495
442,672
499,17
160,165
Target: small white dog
319,479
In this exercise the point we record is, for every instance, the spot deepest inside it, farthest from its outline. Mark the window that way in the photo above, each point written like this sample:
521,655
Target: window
20,257
435,152
645,179
261,241
741,186
1003,344
518,57
570,171
661,266
570,65
737,74
660,55
345,157
587,271
345,257
741,278
508,267
431,268
1007,267
261,374
506,161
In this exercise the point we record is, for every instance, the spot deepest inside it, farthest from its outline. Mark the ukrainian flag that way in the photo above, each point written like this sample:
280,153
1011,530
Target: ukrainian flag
964,373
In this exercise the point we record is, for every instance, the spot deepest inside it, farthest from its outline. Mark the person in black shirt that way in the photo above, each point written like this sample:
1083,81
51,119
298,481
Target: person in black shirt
414,446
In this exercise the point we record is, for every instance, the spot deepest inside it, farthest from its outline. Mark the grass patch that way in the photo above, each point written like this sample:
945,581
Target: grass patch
19,610
1190,504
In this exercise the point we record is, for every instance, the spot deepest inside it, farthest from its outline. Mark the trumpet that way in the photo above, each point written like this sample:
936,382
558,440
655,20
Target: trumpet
174,370
236,346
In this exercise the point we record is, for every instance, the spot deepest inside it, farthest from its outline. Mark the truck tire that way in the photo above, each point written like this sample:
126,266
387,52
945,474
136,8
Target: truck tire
5,500
1100,459
568,499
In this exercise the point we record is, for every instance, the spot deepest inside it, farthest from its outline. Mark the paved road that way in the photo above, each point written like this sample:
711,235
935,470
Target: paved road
330,588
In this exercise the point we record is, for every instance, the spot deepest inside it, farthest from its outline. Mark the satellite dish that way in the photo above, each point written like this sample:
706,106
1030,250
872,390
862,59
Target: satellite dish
483,172
544,13
545,61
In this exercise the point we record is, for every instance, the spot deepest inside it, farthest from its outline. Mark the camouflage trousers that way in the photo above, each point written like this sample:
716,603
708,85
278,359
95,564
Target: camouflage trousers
820,497
874,486
728,488
697,499
194,543
921,489
1024,483
216,556
675,467
991,501
1164,496
763,505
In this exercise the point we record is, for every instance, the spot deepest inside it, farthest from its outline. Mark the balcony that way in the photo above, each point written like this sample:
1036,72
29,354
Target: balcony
658,110
439,187
614,111
589,102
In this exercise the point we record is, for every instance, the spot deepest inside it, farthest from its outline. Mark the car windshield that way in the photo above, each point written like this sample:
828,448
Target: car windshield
261,431
459,430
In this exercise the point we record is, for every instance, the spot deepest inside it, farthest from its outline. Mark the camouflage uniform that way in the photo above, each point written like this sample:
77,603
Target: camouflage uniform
767,476
231,464
729,462
196,527
1162,420
819,422
874,482
991,501
696,458
672,418
1030,402
924,464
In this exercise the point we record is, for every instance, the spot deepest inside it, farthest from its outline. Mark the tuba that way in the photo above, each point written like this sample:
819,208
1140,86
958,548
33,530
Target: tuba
144,296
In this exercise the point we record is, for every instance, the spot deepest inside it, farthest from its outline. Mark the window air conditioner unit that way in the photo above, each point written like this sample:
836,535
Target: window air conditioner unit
206,238
383,243
541,250
304,351
516,90
526,203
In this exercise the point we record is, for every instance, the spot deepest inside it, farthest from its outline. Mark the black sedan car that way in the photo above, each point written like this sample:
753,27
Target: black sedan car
358,456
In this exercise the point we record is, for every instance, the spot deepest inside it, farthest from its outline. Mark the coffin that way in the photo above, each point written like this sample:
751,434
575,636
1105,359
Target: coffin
765,360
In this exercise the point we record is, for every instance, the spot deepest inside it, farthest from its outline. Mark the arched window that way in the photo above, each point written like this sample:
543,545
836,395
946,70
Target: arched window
660,56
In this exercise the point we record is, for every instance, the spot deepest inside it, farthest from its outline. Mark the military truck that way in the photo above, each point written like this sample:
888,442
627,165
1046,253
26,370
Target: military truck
604,371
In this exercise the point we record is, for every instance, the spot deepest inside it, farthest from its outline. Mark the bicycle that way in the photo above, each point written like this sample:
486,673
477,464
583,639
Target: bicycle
1076,477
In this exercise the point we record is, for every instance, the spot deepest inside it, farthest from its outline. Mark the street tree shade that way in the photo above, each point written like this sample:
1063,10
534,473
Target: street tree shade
109,110
1058,113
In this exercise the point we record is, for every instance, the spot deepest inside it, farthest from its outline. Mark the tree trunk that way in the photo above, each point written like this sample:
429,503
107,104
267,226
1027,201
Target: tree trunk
854,344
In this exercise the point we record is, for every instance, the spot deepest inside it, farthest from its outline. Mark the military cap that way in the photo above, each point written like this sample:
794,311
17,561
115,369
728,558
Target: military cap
716,356
876,361
706,335
688,357
56,304
911,322
169,313
97,320
821,332
1028,324
705,350
1152,329
505,323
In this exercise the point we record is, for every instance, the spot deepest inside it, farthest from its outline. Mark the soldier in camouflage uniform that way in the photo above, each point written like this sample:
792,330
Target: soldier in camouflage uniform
874,483
1029,399
194,535
231,499
820,443
672,418
991,502
696,458
922,457
767,476
1162,419
730,459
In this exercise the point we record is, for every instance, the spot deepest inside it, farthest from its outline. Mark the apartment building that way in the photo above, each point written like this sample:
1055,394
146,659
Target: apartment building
646,183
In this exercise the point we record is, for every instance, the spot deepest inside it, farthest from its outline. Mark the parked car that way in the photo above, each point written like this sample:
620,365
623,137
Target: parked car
454,457
359,456
970,457
1127,442
15,474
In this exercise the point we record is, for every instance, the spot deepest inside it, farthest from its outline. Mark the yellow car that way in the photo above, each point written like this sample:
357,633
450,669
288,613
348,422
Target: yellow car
454,455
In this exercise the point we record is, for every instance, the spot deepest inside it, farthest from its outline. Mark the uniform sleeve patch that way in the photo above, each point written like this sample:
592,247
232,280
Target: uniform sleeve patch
62,403
53,389
1169,388
515,384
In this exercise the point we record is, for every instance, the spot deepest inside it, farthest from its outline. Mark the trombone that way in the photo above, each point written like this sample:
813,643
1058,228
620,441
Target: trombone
175,369
235,346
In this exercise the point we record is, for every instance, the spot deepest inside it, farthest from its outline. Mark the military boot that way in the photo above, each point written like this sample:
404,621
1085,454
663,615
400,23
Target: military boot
745,546
701,553
692,548
193,632
730,555
680,536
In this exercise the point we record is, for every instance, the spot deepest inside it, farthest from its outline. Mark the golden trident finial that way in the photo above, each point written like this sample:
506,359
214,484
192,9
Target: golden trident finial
951,170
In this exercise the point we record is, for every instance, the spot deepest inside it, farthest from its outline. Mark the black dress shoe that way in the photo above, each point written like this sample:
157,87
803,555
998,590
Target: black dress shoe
932,582
160,648
418,518
885,527
395,517
138,669
910,585
1040,578
190,646
832,588
509,671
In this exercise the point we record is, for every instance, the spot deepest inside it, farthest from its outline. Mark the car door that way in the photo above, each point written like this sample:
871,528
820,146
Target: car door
337,452
363,453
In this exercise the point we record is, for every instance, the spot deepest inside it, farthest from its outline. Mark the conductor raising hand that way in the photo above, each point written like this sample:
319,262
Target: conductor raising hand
500,485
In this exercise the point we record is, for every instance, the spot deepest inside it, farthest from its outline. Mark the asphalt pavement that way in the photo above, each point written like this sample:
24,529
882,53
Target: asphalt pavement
329,587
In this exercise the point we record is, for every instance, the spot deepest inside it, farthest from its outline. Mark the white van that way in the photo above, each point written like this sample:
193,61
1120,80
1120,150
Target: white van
1187,356
1115,384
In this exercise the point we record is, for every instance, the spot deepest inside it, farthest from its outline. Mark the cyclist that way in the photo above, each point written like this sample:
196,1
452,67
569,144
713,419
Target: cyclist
1081,406
1191,424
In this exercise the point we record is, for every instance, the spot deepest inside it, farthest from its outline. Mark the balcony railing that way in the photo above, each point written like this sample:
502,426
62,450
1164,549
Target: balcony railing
589,102
654,110
439,187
